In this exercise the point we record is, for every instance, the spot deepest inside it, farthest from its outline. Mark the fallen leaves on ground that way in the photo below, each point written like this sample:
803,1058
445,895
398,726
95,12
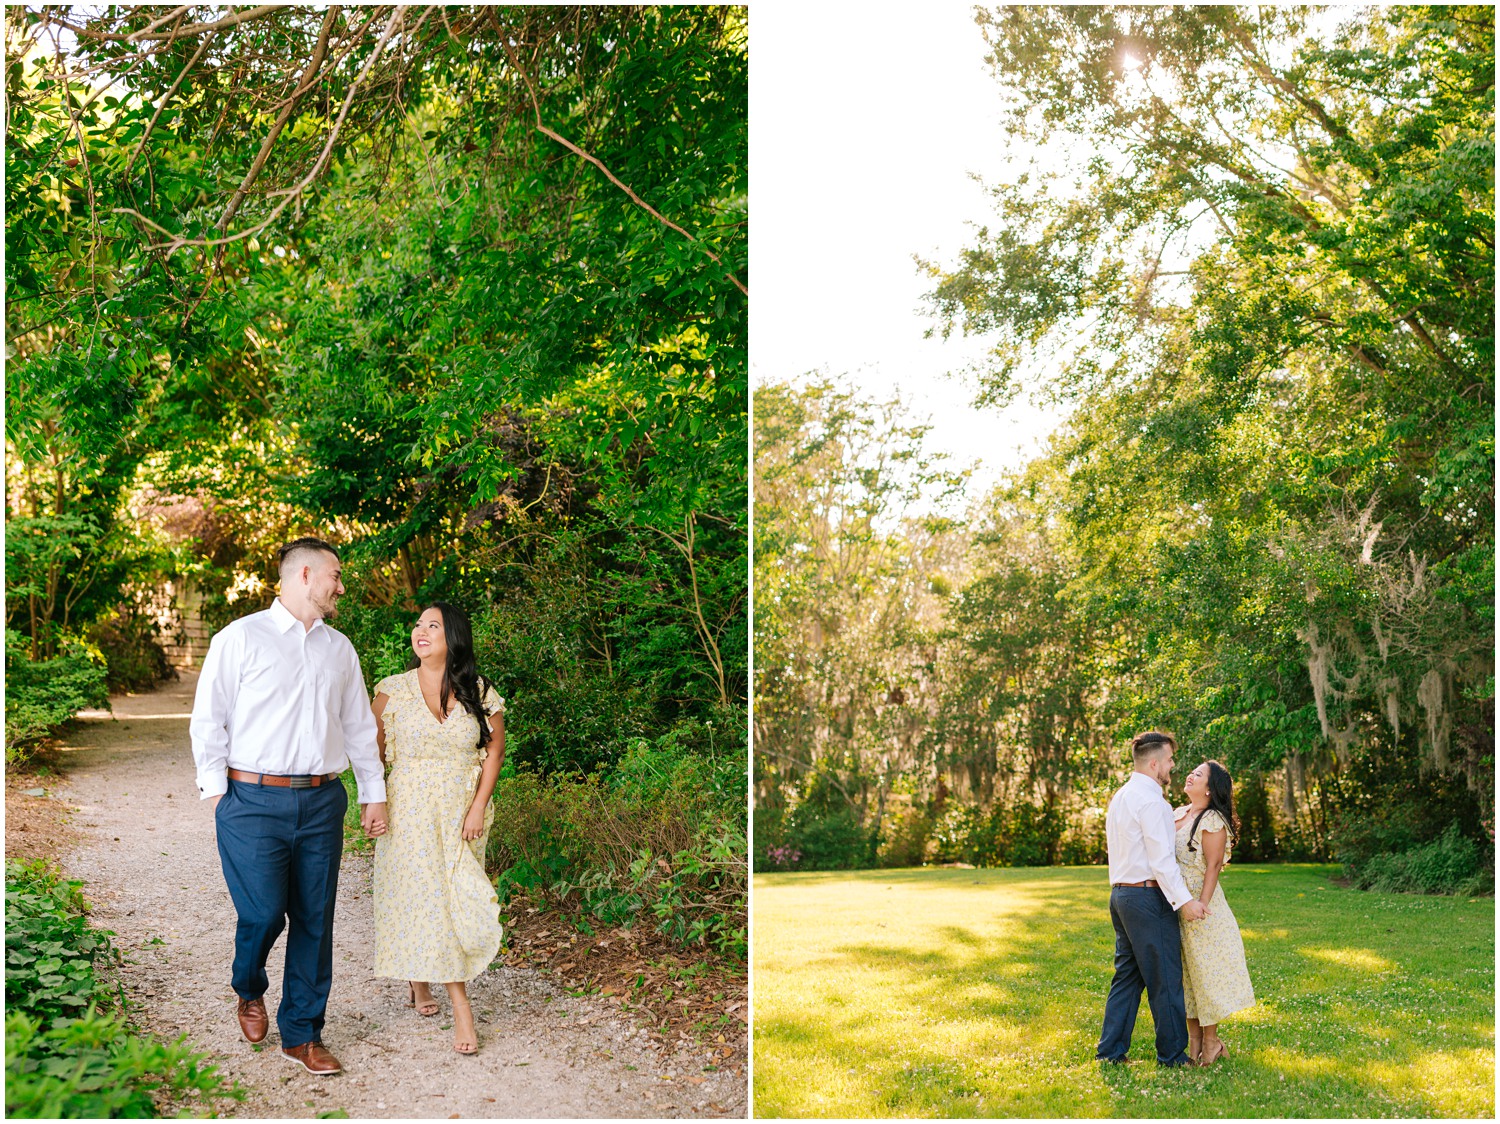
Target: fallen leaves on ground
683,999
35,826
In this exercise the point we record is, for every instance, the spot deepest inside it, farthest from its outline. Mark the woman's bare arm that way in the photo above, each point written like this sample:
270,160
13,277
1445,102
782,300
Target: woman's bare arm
378,706
1213,844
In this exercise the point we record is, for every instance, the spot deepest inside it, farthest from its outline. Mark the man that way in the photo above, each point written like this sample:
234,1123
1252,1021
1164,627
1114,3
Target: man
1146,893
280,711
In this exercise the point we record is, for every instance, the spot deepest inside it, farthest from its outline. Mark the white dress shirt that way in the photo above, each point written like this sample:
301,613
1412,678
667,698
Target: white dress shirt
1143,840
275,697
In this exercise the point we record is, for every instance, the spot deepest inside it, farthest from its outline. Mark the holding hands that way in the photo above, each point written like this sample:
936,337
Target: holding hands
1194,910
372,819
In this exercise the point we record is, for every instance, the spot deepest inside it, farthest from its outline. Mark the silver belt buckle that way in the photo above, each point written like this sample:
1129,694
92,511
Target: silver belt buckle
300,782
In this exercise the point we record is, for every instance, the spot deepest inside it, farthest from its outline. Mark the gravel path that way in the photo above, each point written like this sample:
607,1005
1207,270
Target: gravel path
152,871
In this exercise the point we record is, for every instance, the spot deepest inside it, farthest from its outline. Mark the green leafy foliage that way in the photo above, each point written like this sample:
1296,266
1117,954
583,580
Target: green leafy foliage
827,840
1247,482
51,952
657,839
1450,864
130,643
96,1067
40,695
489,337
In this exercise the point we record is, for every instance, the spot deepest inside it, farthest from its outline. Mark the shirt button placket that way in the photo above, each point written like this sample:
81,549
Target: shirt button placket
308,689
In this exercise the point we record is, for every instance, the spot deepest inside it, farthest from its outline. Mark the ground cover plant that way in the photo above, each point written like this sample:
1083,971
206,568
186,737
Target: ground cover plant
70,1049
978,993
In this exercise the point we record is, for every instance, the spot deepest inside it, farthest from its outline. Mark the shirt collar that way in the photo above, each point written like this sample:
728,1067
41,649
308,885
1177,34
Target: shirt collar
282,617
1150,784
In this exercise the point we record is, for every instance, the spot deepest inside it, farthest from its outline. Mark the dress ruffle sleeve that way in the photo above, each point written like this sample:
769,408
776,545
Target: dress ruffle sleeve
392,688
1211,821
492,702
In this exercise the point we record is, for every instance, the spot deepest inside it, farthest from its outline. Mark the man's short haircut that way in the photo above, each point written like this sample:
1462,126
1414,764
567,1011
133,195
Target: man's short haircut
1150,744
303,552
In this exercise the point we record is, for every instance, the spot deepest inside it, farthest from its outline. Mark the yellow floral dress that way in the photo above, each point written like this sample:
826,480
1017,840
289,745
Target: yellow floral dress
437,918
1215,978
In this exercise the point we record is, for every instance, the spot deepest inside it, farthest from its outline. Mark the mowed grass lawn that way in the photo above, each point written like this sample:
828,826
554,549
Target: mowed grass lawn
980,993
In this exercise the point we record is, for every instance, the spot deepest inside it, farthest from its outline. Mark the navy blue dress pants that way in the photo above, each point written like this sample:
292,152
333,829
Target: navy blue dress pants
281,849
1148,954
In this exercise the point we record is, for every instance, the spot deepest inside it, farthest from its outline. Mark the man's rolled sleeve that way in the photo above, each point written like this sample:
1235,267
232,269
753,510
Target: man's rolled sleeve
360,735
209,727
1161,852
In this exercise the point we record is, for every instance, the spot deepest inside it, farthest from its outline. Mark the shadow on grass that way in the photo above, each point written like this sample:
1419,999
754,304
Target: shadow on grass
997,1012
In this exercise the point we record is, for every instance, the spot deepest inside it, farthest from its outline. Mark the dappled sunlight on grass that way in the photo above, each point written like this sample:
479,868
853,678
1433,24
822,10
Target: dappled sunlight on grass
1292,1064
1360,959
1250,935
980,992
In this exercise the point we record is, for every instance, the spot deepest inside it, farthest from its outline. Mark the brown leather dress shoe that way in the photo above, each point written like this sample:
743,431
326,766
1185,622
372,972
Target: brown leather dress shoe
253,1020
312,1057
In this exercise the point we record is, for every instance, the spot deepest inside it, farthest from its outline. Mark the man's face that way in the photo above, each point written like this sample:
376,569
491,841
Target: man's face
1163,762
324,584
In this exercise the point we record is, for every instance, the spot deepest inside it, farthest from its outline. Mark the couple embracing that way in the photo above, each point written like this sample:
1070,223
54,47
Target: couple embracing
280,712
1174,934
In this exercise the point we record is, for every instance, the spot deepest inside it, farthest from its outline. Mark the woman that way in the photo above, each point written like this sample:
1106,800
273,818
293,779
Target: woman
442,731
1215,980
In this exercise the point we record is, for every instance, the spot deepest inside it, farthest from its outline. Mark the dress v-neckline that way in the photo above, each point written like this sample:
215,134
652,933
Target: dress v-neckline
443,721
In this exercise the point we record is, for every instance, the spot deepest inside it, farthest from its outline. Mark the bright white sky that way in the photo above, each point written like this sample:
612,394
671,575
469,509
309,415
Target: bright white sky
866,122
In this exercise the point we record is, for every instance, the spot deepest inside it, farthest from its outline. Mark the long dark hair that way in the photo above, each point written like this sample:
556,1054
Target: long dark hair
1221,800
461,679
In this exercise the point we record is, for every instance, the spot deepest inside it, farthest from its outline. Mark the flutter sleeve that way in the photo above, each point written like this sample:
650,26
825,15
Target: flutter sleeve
492,702
1213,821
392,688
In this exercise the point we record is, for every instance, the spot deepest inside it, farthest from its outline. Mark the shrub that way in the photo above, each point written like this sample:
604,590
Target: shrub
1016,834
1083,843
1363,838
133,654
661,835
959,834
830,840
770,834
1382,806
1033,834
782,858
1252,804
904,834
40,695
1449,864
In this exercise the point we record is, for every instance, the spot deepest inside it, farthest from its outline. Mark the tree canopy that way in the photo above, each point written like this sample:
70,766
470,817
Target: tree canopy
463,287
1259,257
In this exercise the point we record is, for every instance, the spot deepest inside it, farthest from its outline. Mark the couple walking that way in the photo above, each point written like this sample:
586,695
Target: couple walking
280,712
1174,934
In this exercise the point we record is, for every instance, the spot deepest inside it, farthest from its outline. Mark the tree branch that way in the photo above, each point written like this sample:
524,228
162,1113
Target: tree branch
573,148
304,82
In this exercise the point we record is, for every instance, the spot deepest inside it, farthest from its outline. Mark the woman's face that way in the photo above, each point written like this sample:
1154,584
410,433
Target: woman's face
1196,785
428,639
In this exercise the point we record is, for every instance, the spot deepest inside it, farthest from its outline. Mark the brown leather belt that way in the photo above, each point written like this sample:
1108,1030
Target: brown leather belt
1149,882
312,781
